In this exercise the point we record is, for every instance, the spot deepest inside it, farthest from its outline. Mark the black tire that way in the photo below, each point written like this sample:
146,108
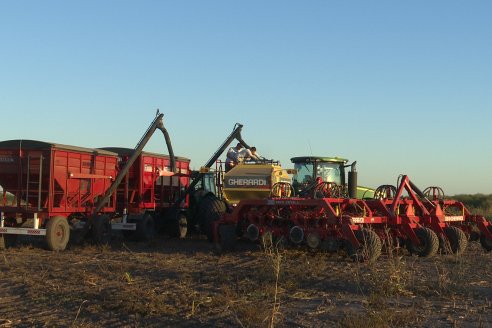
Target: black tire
145,228
57,233
210,209
7,240
485,242
101,230
429,243
227,237
370,248
457,240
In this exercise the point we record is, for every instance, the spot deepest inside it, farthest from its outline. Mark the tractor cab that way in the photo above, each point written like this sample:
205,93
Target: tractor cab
310,169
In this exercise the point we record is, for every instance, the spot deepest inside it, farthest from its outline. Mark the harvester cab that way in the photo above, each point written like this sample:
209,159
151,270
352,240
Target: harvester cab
313,171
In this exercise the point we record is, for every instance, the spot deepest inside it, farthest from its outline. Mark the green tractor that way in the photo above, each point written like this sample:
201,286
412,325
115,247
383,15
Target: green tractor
315,173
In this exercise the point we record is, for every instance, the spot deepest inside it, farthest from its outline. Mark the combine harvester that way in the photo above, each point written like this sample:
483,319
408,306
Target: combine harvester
323,211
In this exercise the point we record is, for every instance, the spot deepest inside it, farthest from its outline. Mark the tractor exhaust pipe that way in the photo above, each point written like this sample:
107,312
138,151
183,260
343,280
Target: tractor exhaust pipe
352,181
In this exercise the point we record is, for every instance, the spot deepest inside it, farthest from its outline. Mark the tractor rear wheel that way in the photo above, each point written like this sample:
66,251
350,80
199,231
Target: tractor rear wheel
101,230
457,240
57,233
145,228
370,248
429,243
486,243
211,209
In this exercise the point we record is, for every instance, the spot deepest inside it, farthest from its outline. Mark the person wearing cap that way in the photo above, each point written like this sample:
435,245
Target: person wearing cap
233,157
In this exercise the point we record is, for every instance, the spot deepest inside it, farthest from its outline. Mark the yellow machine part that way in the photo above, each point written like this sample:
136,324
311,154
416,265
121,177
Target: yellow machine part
252,181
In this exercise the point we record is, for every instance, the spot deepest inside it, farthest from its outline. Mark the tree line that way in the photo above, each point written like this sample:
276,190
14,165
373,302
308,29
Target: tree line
477,204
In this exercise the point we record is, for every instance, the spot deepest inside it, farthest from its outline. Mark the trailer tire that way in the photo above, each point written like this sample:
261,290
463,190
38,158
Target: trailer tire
457,240
101,230
429,241
145,228
485,242
211,209
370,248
57,233
7,240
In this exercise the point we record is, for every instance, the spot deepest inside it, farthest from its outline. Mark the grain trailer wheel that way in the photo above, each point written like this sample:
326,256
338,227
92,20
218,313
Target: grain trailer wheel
370,248
145,228
210,210
486,243
57,233
429,243
101,230
457,240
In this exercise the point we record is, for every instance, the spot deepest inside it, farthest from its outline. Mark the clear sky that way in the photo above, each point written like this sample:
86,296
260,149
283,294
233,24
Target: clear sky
403,87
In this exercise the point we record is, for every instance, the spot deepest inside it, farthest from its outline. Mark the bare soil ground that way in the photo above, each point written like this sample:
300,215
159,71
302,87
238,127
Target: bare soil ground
184,283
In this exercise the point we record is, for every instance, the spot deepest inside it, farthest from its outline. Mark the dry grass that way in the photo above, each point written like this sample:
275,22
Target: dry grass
183,283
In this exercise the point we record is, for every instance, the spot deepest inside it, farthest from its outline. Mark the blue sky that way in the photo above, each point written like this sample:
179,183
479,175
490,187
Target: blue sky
403,87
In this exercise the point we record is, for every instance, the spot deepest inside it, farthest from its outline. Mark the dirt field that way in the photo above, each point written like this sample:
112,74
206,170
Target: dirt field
185,283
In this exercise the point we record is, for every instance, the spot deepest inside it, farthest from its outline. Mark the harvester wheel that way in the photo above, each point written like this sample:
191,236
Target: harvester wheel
101,230
57,233
146,228
370,248
227,237
457,240
486,243
210,210
7,240
429,243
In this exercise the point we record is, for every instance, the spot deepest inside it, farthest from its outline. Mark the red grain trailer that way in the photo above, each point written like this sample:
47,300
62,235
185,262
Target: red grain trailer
48,187
147,195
